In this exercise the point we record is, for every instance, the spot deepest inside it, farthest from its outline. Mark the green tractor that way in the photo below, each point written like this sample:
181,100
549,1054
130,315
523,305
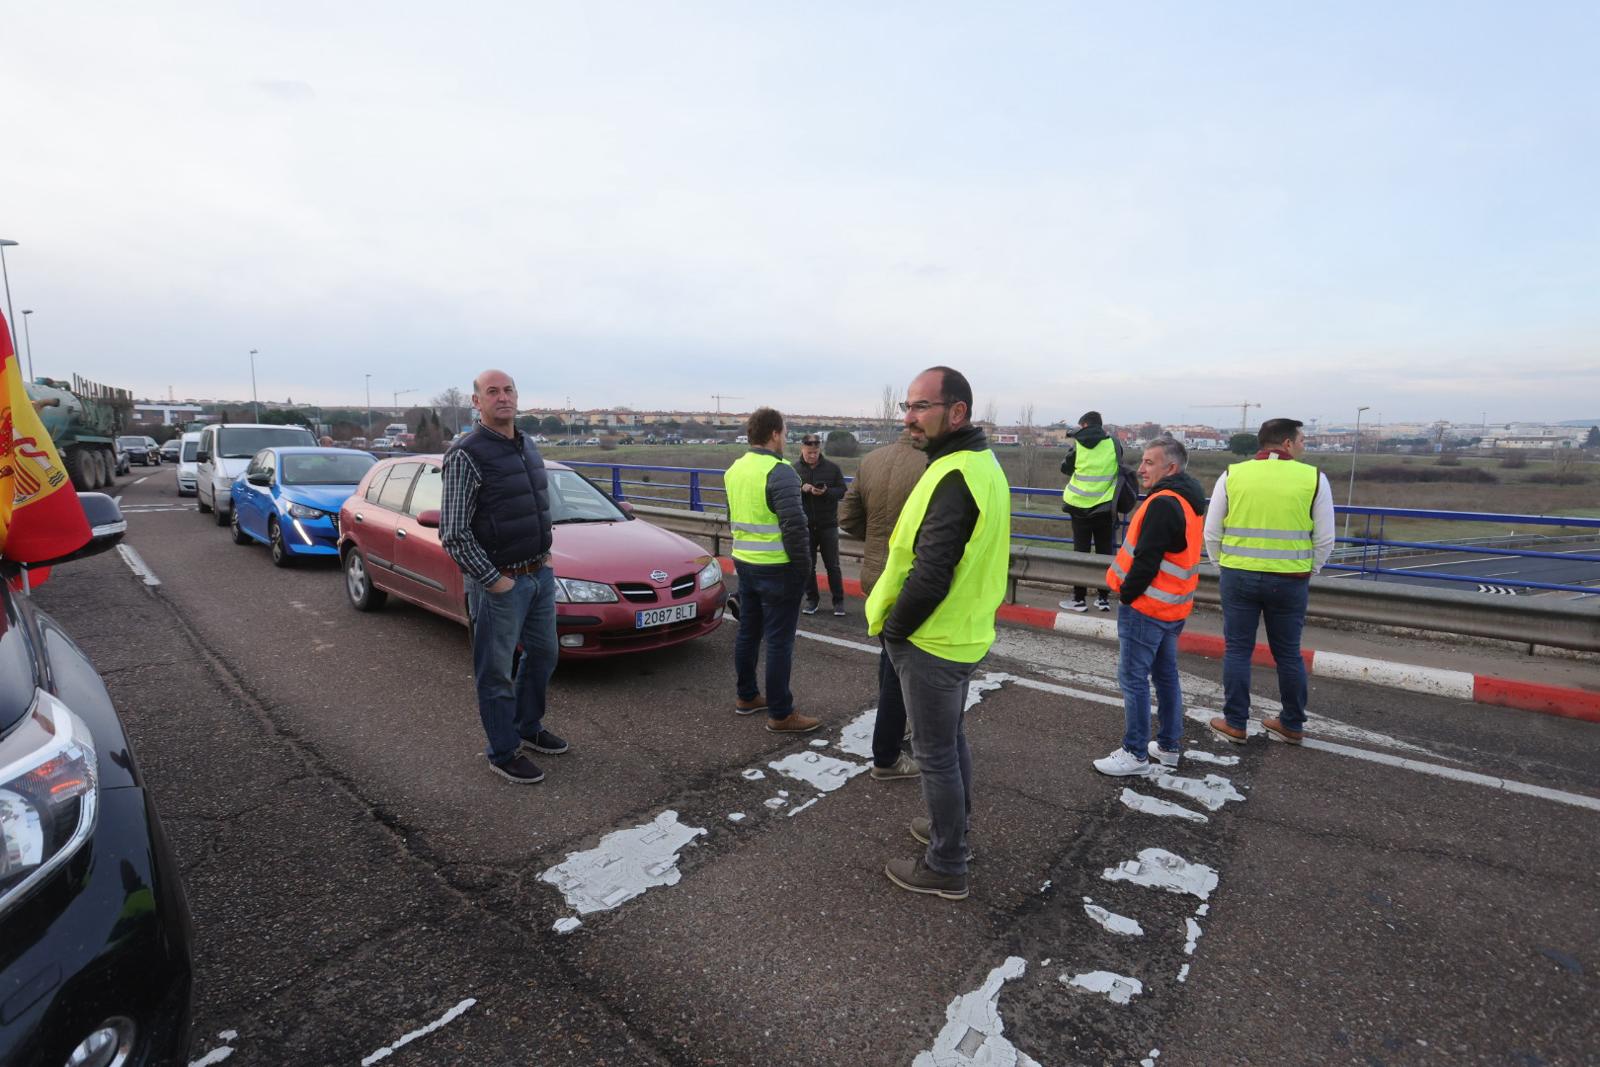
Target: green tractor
83,419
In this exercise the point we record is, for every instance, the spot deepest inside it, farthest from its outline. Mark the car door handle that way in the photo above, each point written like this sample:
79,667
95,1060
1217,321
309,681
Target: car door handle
399,533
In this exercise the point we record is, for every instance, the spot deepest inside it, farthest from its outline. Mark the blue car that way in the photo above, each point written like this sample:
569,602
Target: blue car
289,499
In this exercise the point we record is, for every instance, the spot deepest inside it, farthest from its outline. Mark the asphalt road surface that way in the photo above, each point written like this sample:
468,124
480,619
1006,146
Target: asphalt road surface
1492,572
365,891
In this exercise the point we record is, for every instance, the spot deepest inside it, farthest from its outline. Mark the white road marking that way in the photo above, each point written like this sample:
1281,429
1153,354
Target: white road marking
973,1027
141,480
137,565
216,1055
792,812
1456,774
1155,806
625,864
389,1050
1159,869
1118,988
1327,727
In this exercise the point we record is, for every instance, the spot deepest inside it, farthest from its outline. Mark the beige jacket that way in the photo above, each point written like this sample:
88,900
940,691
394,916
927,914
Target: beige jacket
873,502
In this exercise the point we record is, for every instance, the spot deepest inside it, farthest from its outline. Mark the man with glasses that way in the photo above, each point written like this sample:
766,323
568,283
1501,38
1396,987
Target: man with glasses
821,489
934,608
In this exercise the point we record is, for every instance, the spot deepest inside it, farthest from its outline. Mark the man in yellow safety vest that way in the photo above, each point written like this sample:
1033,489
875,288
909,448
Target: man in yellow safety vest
1270,528
1090,498
934,608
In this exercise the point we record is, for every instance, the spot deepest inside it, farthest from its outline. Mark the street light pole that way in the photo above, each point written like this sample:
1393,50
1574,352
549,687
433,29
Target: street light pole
1355,450
27,335
11,316
253,401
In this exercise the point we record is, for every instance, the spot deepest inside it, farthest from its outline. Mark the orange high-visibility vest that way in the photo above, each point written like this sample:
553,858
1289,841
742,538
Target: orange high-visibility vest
1170,596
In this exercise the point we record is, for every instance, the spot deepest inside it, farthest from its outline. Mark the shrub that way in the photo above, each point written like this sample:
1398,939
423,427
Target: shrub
1514,462
841,443
1448,459
1400,473
1566,477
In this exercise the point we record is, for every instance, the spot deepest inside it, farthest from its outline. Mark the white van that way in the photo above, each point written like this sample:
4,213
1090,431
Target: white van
224,453
187,447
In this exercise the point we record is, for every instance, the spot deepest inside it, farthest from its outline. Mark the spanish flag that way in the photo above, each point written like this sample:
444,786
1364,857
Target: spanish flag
40,517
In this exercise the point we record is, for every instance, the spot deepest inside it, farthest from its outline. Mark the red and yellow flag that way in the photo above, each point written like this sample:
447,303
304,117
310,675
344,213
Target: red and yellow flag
40,517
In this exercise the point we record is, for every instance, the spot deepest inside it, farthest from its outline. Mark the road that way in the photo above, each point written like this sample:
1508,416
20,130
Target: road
1494,570
361,883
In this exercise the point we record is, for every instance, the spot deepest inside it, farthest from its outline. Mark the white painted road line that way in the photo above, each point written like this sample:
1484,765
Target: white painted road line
1455,774
389,1050
137,565
216,1055
141,481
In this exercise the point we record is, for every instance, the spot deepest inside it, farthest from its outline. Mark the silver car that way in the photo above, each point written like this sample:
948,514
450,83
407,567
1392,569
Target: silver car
187,447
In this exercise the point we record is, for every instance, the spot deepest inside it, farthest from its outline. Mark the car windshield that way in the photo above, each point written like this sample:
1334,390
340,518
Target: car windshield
189,449
243,442
574,500
131,442
313,469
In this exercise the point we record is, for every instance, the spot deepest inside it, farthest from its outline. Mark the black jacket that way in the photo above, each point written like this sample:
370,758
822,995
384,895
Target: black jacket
1088,437
783,497
822,512
1161,532
512,519
947,526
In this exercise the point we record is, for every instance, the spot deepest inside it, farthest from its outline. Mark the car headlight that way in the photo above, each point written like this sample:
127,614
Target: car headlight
300,511
710,574
576,591
48,794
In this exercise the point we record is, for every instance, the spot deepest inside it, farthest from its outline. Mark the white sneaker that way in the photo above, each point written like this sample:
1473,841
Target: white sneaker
1075,605
1122,764
1163,757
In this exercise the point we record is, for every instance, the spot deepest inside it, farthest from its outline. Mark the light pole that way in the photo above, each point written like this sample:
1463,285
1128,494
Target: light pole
27,335
253,401
1355,450
11,316
369,409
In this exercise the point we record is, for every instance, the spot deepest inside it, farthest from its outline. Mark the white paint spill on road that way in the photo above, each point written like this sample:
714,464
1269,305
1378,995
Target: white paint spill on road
137,565
792,812
821,742
774,802
736,816
1117,988
1200,755
753,775
1211,792
1150,1060
856,738
990,681
625,864
1110,920
406,1039
216,1055
567,925
1159,869
972,1034
1156,806
228,1035
816,770
1194,936
1183,973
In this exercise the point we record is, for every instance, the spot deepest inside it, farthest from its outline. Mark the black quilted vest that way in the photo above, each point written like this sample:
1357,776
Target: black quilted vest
512,517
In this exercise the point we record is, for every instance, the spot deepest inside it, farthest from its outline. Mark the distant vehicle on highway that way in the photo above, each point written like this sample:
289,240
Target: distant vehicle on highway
120,463
188,445
94,927
592,441
141,450
170,449
289,498
622,585
224,453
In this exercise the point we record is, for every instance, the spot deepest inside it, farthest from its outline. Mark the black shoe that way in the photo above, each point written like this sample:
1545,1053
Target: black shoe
546,742
838,609
810,608
519,770
1101,603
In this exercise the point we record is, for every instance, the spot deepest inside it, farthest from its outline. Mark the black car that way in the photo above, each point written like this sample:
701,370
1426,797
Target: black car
141,450
94,929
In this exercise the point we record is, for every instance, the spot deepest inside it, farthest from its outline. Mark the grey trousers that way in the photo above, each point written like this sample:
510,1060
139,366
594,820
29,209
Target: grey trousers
935,692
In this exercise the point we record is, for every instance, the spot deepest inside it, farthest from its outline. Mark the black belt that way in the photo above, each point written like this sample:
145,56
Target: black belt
532,566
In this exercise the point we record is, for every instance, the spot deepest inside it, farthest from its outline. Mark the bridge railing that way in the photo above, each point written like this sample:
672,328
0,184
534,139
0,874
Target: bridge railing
1369,553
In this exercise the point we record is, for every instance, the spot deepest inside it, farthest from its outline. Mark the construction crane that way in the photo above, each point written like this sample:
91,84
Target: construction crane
1244,412
398,393
720,397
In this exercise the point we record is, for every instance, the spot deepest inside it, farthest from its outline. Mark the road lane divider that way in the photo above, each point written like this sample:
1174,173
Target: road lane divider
136,563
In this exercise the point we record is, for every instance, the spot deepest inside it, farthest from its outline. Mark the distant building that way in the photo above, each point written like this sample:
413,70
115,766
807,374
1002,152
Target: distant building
165,414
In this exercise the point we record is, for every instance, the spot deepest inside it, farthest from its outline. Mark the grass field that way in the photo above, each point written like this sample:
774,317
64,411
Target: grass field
1514,494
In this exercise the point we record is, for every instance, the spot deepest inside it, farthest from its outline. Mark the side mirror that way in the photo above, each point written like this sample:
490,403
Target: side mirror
429,518
202,456
259,478
106,530
626,507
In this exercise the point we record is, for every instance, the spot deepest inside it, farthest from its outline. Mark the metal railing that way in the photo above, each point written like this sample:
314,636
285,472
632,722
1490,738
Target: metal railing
700,489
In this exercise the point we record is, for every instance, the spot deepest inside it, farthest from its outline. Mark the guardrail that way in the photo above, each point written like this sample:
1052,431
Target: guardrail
1553,623
699,489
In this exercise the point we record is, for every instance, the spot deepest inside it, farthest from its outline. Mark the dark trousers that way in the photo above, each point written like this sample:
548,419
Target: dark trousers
825,540
1248,598
890,728
769,611
1098,528
935,692
511,693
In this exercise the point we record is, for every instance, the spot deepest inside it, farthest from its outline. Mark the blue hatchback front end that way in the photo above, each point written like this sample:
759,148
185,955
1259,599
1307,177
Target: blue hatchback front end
289,499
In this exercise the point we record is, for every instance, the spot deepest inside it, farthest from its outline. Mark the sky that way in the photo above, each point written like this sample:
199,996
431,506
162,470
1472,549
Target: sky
1139,208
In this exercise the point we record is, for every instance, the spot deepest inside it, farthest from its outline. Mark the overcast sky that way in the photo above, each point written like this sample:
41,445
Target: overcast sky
1140,208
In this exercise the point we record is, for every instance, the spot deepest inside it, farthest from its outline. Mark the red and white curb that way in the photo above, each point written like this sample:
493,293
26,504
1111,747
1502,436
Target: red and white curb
1562,701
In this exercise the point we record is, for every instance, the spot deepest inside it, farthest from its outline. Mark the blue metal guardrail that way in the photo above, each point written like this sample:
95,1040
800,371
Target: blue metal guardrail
1363,556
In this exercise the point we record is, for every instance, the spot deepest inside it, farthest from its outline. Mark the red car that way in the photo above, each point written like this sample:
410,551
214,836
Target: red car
622,585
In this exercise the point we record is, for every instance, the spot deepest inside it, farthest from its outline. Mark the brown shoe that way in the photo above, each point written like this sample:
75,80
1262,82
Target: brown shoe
793,723
750,707
1275,726
1220,727
922,830
915,876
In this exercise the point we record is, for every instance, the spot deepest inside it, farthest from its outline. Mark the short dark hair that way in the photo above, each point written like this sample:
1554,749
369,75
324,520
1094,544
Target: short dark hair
1090,418
953,387
762,424
1278,431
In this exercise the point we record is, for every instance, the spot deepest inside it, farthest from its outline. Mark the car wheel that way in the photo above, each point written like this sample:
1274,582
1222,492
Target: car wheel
280,551
239,536
358,583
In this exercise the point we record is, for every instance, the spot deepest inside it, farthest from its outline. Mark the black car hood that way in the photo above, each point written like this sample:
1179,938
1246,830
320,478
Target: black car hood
18,678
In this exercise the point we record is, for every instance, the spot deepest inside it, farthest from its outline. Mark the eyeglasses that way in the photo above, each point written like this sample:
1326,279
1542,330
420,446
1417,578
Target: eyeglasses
922,406
811,441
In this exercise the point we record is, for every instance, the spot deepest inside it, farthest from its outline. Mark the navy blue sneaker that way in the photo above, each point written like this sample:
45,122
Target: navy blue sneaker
546,742
518,770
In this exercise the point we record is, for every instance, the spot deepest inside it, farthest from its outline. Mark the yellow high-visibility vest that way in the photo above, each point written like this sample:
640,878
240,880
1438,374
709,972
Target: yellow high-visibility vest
756,535
1094,476
1268,526
961,628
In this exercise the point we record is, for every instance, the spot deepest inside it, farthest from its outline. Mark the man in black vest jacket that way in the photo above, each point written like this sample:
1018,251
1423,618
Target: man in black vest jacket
495,523
821,489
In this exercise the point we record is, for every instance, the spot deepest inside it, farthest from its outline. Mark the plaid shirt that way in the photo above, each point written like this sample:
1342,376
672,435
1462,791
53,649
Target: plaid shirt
462,480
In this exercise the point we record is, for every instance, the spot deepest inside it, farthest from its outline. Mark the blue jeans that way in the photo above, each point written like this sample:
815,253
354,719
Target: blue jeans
1149,650
935,694
769,611
512,707
1247,597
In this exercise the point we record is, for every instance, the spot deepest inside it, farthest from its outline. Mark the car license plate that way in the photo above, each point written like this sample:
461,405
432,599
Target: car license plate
662,616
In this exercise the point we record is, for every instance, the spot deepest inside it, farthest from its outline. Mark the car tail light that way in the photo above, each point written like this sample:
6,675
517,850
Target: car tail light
48,796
